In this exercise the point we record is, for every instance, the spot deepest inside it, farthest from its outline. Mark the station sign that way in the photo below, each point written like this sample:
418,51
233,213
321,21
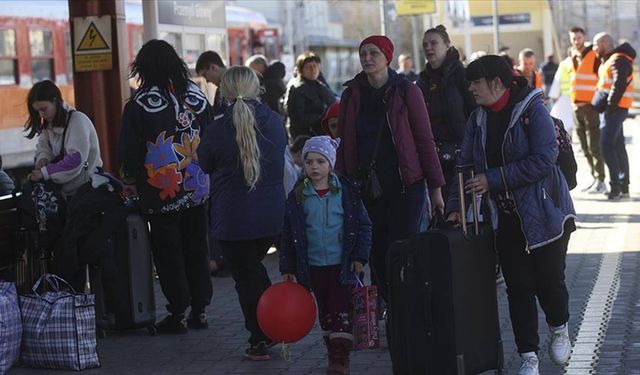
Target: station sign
415,7
208,14
92,44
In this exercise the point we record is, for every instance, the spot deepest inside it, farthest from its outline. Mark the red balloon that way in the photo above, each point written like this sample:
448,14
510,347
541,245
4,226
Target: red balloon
286,312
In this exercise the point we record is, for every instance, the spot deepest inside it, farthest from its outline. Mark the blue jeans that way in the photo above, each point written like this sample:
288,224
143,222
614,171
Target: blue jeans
613,148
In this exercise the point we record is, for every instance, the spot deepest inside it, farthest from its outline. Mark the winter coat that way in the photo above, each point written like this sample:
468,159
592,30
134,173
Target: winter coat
529,173
274,85
157,148
239,213
81,158
410,128
454,94
306,101
356,236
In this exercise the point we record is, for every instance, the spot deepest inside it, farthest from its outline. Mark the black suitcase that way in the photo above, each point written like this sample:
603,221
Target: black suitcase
443,312
124,288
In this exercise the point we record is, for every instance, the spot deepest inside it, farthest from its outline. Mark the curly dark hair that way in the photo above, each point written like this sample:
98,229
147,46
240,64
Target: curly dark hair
44,91
158,64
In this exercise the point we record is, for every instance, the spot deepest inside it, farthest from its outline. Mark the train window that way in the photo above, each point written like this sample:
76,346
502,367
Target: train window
8,61
41,42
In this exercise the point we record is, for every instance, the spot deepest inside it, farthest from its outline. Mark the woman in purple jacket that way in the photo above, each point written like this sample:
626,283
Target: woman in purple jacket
384,126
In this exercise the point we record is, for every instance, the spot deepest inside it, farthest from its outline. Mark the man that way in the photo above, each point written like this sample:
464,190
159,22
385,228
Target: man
526,68
406,67
584,77
210,67
614,97
258,63
548,69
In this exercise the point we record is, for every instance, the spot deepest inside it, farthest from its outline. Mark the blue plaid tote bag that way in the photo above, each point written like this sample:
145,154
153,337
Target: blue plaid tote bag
10,326
59,327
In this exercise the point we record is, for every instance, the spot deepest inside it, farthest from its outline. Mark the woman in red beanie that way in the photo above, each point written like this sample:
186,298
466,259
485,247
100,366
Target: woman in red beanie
384,127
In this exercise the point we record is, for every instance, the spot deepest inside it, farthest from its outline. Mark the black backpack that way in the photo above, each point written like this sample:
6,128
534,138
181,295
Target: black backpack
566,160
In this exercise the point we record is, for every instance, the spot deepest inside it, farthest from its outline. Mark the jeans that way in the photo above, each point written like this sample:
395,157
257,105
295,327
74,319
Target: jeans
181,256
244,259
529,275
613,148
588,130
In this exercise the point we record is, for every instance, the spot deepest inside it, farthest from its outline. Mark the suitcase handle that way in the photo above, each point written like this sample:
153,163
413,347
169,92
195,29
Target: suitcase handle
461,169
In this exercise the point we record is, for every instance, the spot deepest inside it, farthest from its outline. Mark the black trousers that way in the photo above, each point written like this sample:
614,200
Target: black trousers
539,273
395,216
181,255
244,259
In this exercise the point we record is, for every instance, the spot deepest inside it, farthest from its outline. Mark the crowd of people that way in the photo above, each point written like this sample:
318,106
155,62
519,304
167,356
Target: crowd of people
333,181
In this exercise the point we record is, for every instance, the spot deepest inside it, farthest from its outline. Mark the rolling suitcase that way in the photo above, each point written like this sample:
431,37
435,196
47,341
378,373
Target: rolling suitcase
128,302
443,312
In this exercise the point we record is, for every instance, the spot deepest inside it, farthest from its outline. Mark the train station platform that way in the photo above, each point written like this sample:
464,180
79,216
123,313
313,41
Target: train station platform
603,277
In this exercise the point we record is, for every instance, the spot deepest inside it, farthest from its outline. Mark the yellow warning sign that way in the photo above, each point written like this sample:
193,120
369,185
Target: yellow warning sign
92,40
415,7
92,44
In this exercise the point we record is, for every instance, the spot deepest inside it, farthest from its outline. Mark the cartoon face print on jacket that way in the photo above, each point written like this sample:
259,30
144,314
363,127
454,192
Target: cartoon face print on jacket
171,161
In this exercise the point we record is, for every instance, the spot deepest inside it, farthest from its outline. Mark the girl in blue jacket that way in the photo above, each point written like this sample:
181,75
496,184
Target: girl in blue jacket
326,242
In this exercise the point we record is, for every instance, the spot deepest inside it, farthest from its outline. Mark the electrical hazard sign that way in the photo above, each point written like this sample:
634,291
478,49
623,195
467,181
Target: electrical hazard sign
92,44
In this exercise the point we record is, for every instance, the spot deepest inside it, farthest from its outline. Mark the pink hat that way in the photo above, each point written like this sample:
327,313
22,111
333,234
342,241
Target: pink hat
383,43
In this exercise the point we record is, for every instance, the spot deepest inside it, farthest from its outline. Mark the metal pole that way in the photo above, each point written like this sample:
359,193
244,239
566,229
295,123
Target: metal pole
416,41
496,27
383,11
150,19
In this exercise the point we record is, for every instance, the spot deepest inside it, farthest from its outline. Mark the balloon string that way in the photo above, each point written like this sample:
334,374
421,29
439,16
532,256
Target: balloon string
285,353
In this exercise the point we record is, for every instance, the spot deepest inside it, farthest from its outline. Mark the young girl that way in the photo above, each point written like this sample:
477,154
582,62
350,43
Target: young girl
326,242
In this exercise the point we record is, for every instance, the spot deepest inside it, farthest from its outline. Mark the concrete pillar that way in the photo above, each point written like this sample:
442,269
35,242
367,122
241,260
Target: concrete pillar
101,94
150,19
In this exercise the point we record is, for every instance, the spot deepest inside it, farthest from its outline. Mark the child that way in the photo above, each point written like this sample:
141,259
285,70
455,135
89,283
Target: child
326,242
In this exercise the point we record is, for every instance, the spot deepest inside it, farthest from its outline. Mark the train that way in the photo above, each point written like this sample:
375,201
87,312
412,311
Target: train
35,44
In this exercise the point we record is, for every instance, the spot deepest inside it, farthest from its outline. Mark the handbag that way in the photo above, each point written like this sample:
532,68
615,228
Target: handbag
10,326
447,154
366,329
58,327
372,187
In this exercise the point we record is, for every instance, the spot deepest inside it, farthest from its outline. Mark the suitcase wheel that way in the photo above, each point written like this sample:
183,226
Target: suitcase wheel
151,329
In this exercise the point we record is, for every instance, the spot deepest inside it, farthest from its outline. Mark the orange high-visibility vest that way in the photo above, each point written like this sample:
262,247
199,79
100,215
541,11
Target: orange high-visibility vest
584,79
605,81
537,79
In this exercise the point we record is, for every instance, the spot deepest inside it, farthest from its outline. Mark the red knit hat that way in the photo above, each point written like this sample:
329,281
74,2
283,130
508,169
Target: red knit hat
383,43
332,112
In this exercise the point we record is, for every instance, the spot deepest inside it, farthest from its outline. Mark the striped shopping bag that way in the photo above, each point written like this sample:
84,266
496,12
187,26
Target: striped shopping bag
10,326
59,328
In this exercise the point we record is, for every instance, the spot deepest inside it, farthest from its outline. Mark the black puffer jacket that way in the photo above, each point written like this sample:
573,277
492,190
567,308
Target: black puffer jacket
457,101
306,102
274,85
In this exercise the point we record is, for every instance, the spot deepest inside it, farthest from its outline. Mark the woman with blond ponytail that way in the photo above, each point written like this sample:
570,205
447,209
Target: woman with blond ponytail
244,155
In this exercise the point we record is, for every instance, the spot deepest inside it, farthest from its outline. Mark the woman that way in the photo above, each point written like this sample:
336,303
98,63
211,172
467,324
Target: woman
245,158
445,92
161,129
67,152
384,127
307,98
511,142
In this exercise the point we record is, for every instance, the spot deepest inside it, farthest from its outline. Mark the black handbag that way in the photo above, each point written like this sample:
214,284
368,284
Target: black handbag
447,153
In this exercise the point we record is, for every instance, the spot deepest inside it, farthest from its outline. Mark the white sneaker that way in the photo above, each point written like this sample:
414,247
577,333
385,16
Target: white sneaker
560,345
529,364
598,188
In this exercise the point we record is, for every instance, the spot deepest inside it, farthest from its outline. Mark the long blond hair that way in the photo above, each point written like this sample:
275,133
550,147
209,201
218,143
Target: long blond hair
239,84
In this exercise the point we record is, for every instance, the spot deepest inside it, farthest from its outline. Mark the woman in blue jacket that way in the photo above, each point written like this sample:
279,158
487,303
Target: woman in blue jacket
244,156
511,142
325,243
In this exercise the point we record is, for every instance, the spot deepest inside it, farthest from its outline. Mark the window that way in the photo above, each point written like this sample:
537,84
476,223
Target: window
41,42
8,60
175,39
69,55
194,46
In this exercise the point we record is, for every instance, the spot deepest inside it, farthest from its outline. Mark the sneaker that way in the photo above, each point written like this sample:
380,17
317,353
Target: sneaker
173,324
529,364
560,345
197,321
624,189
598,188
614,195
257,352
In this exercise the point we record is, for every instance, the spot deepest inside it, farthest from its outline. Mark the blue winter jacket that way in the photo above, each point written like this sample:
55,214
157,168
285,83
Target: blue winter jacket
237,213
530,174
356,236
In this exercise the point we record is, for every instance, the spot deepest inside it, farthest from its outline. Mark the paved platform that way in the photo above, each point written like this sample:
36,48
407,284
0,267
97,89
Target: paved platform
603,277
